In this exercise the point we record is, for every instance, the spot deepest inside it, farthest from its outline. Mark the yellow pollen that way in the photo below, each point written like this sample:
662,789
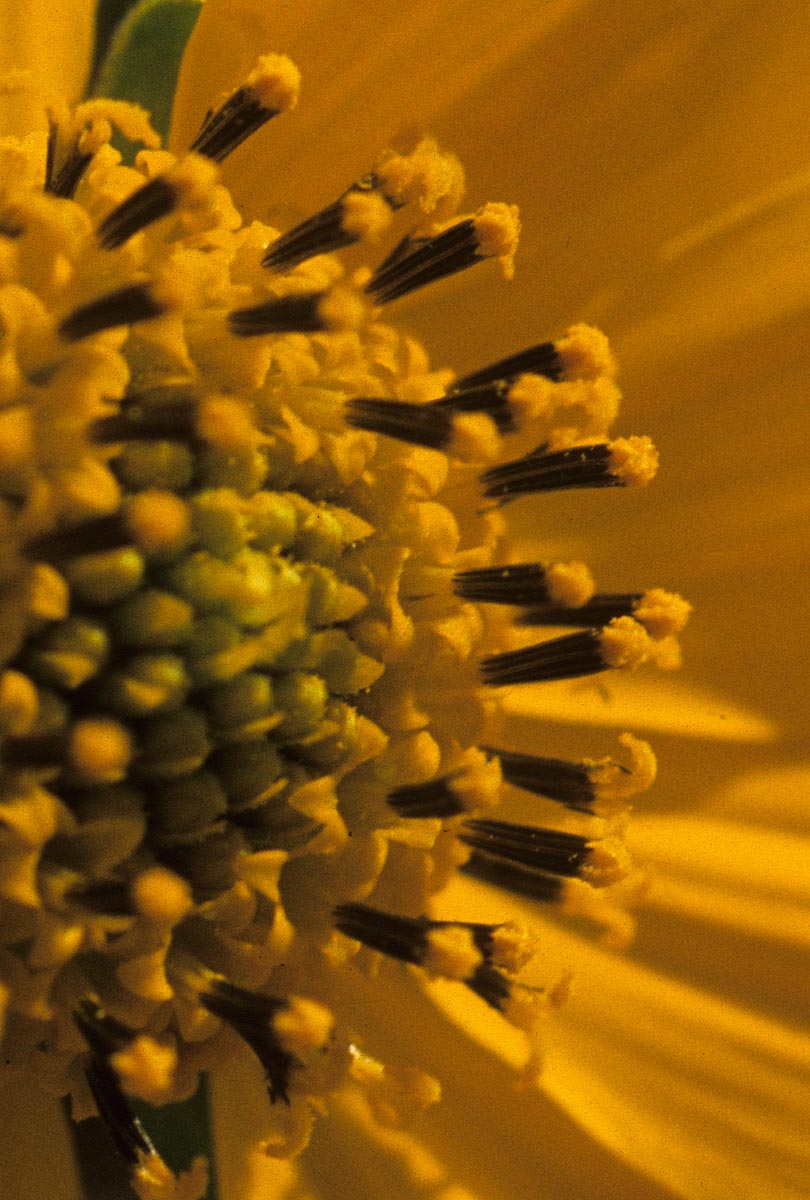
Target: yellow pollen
451,953
663,614
275,81
146,1069
624,643
634,460
497,230
570,584
585,353
365,215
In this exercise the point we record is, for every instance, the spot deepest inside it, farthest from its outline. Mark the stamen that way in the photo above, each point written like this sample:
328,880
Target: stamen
150,1175
662,614
582,353
568,783
625,462
491,233
512,877
426,175
358,215
621,643
474,785
404,938
562,584
270,89
489,398
76,159
464,951
435,798
419,424
187,184
548,850
544,849
251,1015
125,306
313,312
105,1036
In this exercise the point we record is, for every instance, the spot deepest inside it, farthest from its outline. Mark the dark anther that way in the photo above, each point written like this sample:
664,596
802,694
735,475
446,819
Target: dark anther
560,658
124,306
251,1014
548,850
512,877
578,467
149,203
419,424
520,583
600,609
432,799
566,782
419,261
541,359
286,314
489,398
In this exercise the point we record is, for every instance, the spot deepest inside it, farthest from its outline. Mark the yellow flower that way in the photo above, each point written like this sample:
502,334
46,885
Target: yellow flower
663,1059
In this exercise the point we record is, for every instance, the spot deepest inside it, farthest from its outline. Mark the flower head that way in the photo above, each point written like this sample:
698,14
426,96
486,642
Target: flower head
266,640
254,586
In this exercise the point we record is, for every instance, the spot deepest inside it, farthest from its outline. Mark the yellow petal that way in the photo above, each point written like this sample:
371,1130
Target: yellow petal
776,797
240,1117
644,703
707,1097
54,42
751,880
370,71
36,1159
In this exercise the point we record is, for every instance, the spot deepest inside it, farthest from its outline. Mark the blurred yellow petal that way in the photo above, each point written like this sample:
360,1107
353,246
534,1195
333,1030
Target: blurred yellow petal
52,41
706,1096
749,879
240,1113
775,797
370,71
35,1167
647,703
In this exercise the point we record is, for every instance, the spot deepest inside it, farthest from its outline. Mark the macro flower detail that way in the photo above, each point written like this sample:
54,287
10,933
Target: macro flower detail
256,612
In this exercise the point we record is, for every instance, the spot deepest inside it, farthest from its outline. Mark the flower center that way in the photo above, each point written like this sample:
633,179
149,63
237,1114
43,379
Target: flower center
255,575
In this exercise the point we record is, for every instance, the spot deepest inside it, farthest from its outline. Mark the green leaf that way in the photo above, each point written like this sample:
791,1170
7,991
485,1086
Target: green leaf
109,13
143,59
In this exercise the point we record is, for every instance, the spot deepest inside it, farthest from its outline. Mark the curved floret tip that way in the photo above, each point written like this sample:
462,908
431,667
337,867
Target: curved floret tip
366,215
663,614
584,353
428,176
497,229
614,784
633,460
569,584
624,643
275,81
